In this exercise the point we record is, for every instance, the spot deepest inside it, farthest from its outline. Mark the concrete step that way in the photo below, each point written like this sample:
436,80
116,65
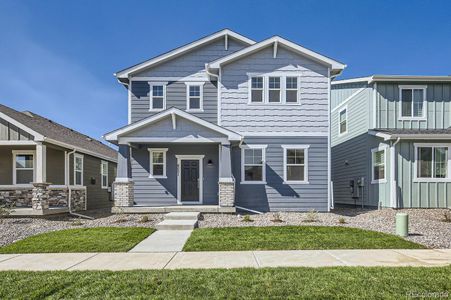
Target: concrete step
182,216
176,225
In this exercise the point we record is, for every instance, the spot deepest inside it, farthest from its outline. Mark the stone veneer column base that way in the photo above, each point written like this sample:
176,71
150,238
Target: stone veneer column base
123,193
40,196
227,193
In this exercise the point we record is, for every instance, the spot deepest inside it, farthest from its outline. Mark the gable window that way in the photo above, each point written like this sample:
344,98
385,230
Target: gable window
23,167
343,121
274,89
194,101
432,162
157,162
78,169
157,96
104,174
253,164
257,89
412,101
291,90
378,161
295,159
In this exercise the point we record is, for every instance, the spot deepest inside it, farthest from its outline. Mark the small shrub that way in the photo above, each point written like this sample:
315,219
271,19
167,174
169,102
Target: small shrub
447,216
144,219
312,216
341,220
276,218
247,218
76,223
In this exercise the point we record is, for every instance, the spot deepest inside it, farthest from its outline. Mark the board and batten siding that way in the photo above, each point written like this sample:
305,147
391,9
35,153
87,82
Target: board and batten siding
310,115
341,92
438,99
163,192
176,96
275,195
9,132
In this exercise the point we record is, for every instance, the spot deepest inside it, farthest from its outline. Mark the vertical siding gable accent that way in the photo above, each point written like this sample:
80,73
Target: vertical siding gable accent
9,132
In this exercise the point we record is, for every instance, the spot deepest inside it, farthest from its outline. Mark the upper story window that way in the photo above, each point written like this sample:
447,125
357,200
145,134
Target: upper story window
343,121
291,90
194,99
432,162
157,96
274,89
157,162
78,169
256,89
378,165
295,163
104,174
253,164
23,167
412,102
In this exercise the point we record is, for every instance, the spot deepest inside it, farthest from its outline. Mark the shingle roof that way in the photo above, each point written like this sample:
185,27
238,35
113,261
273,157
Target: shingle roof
414,131
58,132
388,134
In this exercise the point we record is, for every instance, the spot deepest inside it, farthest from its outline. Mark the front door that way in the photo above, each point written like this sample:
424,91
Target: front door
189,181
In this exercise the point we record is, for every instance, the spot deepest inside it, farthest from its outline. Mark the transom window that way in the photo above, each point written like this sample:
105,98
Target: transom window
158,97
343,121
274,89
257,89
158,162
195,95
295,163
432,162
378,165
104,174
291,90
23,172
78,169
253,164
412,101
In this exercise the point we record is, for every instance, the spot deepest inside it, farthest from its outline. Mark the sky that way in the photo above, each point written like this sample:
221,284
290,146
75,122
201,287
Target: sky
57,58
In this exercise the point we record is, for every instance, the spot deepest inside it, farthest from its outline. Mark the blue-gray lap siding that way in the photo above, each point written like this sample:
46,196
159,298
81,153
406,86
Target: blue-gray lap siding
275,195
163,192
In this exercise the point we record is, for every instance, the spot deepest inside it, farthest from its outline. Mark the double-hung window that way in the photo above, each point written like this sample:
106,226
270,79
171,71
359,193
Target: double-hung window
412,102
78,169
23,170
157,162
432,162
257,90
274,92
291,89
343,121
295,166
378,165
104,174
194,100
157,96
253,164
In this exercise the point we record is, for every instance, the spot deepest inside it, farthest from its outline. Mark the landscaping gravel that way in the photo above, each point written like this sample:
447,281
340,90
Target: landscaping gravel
427,226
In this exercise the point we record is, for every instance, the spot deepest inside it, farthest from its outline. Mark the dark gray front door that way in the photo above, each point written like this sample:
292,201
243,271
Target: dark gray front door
190,181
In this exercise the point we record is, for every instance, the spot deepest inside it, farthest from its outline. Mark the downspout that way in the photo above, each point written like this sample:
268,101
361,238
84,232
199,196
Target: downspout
209,73
393,173
249,210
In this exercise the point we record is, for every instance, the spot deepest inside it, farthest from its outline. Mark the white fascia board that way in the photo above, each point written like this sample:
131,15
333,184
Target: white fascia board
113,136
37,136
125,73
430,136
385,136
353,80
335,65
394,78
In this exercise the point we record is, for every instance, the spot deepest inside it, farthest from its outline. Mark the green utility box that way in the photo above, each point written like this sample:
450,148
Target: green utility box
402,224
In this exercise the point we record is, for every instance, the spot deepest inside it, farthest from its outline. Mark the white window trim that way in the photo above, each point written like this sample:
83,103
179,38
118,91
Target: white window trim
77,155
306,150
280,89
283,76
201,101
103,168
377,149
199,158
23,152
151,151
415,165
412,87
152,84
263,147
339,121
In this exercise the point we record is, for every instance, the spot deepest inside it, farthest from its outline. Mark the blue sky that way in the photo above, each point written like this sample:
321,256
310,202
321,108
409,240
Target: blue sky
57,58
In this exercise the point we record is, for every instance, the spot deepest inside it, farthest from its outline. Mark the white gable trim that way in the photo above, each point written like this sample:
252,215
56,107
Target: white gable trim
37,136
113,136
226,32
335,65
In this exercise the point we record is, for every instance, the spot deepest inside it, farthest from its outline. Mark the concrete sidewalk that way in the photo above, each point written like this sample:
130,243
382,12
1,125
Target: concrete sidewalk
163,241
229,259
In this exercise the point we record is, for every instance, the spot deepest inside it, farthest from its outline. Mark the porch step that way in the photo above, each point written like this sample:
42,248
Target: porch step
176,225
182,216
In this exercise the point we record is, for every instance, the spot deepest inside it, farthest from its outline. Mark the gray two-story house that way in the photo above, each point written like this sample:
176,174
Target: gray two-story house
391,141
226,122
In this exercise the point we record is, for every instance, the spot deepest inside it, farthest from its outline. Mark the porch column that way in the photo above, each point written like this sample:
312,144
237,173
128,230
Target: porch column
40,191
41,163
123,185
226,180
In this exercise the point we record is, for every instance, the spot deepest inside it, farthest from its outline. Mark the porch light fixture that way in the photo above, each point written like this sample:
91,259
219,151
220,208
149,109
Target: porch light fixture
210,163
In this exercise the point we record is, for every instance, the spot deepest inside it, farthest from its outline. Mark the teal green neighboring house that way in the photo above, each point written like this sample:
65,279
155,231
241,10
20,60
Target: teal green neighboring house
391,141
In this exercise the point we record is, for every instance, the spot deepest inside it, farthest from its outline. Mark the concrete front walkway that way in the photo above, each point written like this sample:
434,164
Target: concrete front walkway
163,241
229,259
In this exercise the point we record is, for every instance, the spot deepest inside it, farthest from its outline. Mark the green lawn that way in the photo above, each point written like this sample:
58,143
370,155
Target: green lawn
292,238
100,239
280,283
